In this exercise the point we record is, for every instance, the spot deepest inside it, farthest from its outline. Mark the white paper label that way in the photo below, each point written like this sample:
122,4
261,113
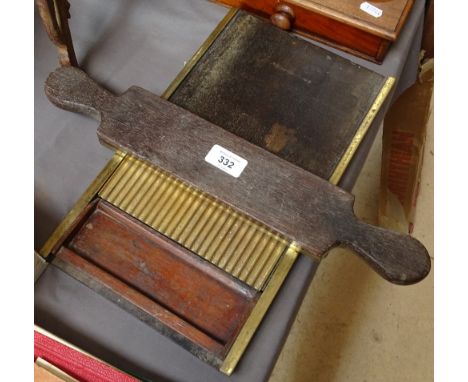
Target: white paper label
226,161
371,9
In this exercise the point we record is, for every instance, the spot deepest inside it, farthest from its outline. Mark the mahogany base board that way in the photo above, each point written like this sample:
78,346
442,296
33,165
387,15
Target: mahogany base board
171,289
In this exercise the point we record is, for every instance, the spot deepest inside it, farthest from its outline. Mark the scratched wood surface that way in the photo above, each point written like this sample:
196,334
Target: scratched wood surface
339,23
394,12
280,92
202,307
298,204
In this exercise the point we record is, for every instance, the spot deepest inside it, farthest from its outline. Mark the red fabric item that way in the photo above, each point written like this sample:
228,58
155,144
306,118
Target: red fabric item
74,363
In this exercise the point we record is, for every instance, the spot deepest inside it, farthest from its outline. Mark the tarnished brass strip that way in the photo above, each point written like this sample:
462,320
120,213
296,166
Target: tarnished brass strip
82,202
258,312
361,131
234,242
207,248
264,269
199,53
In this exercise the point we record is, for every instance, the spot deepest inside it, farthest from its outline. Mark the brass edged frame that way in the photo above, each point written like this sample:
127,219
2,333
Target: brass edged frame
260,309
199,53
286,261
362,131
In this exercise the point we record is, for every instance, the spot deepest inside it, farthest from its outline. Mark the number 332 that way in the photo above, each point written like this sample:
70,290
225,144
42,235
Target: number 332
225,162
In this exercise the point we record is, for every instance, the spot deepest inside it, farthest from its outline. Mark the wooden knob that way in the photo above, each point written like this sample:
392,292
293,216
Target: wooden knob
283,16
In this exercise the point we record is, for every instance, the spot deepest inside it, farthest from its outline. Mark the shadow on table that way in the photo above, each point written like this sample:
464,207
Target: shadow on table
44,224
120,16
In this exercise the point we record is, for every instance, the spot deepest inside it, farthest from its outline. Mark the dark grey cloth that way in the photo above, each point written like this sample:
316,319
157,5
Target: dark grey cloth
141,42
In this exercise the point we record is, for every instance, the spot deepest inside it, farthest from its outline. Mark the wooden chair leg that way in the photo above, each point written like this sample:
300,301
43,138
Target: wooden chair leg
55,15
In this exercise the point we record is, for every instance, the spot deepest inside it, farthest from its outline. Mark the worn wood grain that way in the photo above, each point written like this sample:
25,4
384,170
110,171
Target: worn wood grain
314,213
167,273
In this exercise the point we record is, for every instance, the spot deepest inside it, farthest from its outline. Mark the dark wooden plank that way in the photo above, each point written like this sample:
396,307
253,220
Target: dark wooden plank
188,286
300,205
281,93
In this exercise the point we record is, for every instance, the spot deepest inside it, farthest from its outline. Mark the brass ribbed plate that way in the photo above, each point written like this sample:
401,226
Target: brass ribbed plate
232,241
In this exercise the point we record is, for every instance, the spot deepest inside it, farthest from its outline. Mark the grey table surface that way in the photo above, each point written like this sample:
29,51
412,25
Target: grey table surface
141,42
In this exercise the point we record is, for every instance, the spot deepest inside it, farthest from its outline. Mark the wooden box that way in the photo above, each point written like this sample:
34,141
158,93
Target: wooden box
339,23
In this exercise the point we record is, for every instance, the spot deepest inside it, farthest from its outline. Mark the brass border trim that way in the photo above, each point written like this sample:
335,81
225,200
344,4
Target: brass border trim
199,53
258,312
362,130
82,202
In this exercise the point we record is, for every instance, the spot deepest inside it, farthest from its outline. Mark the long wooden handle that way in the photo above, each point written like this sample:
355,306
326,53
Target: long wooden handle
391,254
305,208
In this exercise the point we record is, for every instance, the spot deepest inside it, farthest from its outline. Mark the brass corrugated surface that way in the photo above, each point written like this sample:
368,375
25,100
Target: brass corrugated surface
232,241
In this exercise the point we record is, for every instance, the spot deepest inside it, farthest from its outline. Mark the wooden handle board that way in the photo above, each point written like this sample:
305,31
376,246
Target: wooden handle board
311,211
